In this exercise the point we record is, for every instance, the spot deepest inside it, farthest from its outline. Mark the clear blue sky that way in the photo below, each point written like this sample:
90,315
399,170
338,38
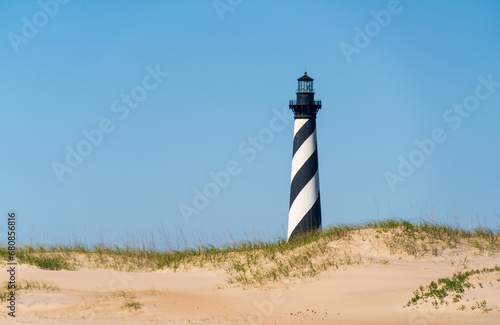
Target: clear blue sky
384,82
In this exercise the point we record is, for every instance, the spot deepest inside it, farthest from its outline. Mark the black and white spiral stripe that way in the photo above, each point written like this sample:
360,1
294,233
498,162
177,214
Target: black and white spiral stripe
305,207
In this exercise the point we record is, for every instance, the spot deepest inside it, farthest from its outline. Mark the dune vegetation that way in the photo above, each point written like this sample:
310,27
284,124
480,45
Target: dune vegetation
258,263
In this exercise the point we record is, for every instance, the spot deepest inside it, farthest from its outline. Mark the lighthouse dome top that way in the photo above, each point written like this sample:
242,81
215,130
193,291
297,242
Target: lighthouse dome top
305,77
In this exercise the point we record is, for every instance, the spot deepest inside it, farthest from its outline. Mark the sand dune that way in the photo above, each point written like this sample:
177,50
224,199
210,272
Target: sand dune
368,293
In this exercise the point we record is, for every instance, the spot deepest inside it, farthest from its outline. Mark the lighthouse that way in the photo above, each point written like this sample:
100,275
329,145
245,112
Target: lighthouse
305,206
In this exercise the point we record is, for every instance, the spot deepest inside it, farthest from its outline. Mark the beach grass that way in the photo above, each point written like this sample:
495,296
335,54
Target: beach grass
253,263
453,289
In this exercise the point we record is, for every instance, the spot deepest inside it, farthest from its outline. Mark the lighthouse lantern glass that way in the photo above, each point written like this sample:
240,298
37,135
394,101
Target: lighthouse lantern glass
305,86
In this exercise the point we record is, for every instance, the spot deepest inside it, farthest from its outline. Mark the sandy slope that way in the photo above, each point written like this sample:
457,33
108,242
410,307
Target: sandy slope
373,293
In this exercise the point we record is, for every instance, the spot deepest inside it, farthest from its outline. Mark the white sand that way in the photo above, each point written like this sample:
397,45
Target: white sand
356,294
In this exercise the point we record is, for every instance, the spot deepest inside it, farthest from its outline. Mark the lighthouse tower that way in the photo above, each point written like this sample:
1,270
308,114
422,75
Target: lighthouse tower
305,207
